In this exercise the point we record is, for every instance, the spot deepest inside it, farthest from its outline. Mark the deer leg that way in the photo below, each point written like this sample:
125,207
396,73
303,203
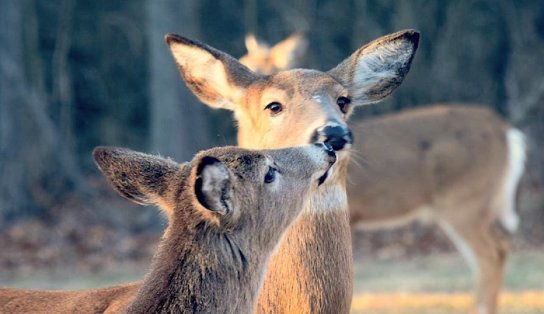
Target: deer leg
485,245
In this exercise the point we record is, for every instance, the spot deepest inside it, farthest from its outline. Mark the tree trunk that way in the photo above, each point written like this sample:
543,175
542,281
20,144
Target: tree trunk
37,169
179,126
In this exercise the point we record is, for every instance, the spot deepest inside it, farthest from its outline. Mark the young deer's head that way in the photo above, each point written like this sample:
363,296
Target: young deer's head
296,107
284,55
251,195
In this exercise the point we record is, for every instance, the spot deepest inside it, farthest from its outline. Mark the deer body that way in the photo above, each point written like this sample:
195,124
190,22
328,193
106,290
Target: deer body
433,156
456,166
224,222
311,271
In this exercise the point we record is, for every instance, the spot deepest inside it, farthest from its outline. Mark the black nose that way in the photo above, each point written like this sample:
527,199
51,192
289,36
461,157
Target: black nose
335,136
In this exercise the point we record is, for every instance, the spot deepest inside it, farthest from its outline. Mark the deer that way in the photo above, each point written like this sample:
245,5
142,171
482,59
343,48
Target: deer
286,54
311,271
455,165
227,210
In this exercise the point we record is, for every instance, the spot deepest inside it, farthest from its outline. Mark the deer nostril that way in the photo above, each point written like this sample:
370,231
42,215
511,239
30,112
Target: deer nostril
336,143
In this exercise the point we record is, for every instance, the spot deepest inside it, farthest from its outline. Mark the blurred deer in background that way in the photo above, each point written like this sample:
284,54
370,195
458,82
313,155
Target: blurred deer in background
286,54
311,270
456,166
227,210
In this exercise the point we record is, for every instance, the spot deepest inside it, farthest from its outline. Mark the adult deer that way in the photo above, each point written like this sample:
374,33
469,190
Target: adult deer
311,271
227,210
456,166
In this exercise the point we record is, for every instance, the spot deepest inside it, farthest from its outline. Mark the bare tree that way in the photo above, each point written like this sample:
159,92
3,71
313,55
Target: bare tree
178,124
32,155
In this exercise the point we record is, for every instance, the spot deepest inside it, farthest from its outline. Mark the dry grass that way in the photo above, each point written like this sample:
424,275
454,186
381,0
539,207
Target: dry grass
441,284
407,303
437,284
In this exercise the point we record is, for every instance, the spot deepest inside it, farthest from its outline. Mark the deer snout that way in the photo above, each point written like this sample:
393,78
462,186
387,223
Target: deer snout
329,151
331,158
334,135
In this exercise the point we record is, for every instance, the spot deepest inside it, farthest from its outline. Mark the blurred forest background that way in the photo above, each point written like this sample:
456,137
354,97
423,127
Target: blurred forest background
77,74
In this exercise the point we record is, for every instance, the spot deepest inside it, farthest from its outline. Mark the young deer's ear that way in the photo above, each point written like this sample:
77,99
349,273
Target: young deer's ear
216,78
289,52
374,71
213,187
141,178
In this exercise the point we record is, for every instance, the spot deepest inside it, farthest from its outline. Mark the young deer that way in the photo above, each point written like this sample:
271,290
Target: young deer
311,271
227,210
284,55
404,175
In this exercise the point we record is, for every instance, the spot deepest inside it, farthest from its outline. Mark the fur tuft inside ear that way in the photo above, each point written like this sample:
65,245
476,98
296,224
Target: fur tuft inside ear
213,186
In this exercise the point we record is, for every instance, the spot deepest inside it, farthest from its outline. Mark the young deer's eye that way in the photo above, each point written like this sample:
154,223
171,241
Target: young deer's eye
274,108
270,175
343,103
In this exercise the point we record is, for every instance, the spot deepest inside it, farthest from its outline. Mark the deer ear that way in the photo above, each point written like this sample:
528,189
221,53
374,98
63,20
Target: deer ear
213,186
253,45
216,78
289,52
375,70
141,178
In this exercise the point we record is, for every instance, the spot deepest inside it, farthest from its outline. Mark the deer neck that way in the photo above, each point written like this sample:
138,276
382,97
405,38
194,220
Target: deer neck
332,196
200,271
311,270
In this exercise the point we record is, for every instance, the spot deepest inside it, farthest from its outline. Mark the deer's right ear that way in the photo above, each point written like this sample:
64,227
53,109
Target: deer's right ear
141,178
216,78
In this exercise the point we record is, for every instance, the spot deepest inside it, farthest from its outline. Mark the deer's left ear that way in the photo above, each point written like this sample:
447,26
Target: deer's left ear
213,186
375,70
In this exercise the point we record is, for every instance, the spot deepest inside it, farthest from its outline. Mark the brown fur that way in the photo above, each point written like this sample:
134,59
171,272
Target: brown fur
444,164
311,272
209,260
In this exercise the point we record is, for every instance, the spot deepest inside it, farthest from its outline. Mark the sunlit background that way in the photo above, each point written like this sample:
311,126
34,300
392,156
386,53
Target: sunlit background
77,74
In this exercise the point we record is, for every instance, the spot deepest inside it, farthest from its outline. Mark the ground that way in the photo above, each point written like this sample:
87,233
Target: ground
438,283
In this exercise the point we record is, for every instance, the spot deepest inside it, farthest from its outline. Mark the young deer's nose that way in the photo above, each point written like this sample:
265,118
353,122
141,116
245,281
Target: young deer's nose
334,135
330,152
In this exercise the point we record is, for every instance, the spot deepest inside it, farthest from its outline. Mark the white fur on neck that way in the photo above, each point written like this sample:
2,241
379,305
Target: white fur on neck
328,198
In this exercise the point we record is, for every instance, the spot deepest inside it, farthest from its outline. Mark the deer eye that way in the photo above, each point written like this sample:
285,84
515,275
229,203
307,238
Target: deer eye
270,175
274,108
343,103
